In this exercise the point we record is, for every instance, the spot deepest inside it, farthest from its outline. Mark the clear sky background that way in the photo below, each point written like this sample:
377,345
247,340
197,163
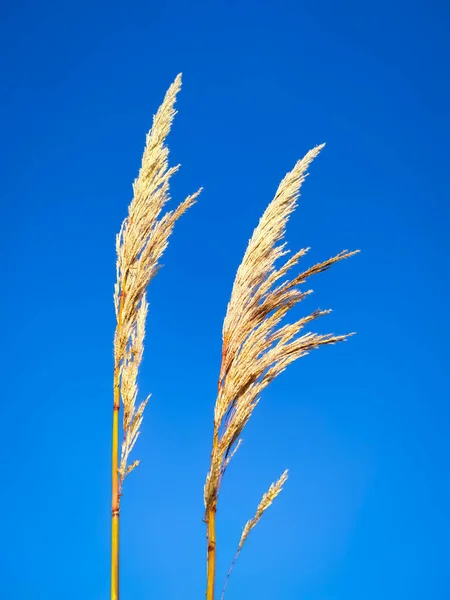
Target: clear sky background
363,427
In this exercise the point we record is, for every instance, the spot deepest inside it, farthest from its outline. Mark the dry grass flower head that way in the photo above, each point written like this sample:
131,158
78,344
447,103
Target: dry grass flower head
140,244
142,239
257,344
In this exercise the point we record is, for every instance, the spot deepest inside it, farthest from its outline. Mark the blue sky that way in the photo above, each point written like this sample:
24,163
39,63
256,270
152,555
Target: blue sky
363,427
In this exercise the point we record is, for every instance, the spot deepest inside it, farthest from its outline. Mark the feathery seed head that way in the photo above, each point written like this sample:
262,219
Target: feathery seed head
266,501
140,243
257,347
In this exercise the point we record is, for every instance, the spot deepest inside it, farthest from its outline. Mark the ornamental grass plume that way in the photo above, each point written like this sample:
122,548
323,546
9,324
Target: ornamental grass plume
142,239
257,347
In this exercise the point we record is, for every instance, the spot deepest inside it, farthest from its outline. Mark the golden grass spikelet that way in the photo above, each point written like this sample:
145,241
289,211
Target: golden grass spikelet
266,501
142,239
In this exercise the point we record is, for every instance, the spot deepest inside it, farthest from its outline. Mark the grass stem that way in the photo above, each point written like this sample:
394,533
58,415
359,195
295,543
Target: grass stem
115,500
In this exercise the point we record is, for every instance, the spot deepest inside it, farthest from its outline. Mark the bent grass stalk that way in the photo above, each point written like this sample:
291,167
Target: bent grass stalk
142,239
257,347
